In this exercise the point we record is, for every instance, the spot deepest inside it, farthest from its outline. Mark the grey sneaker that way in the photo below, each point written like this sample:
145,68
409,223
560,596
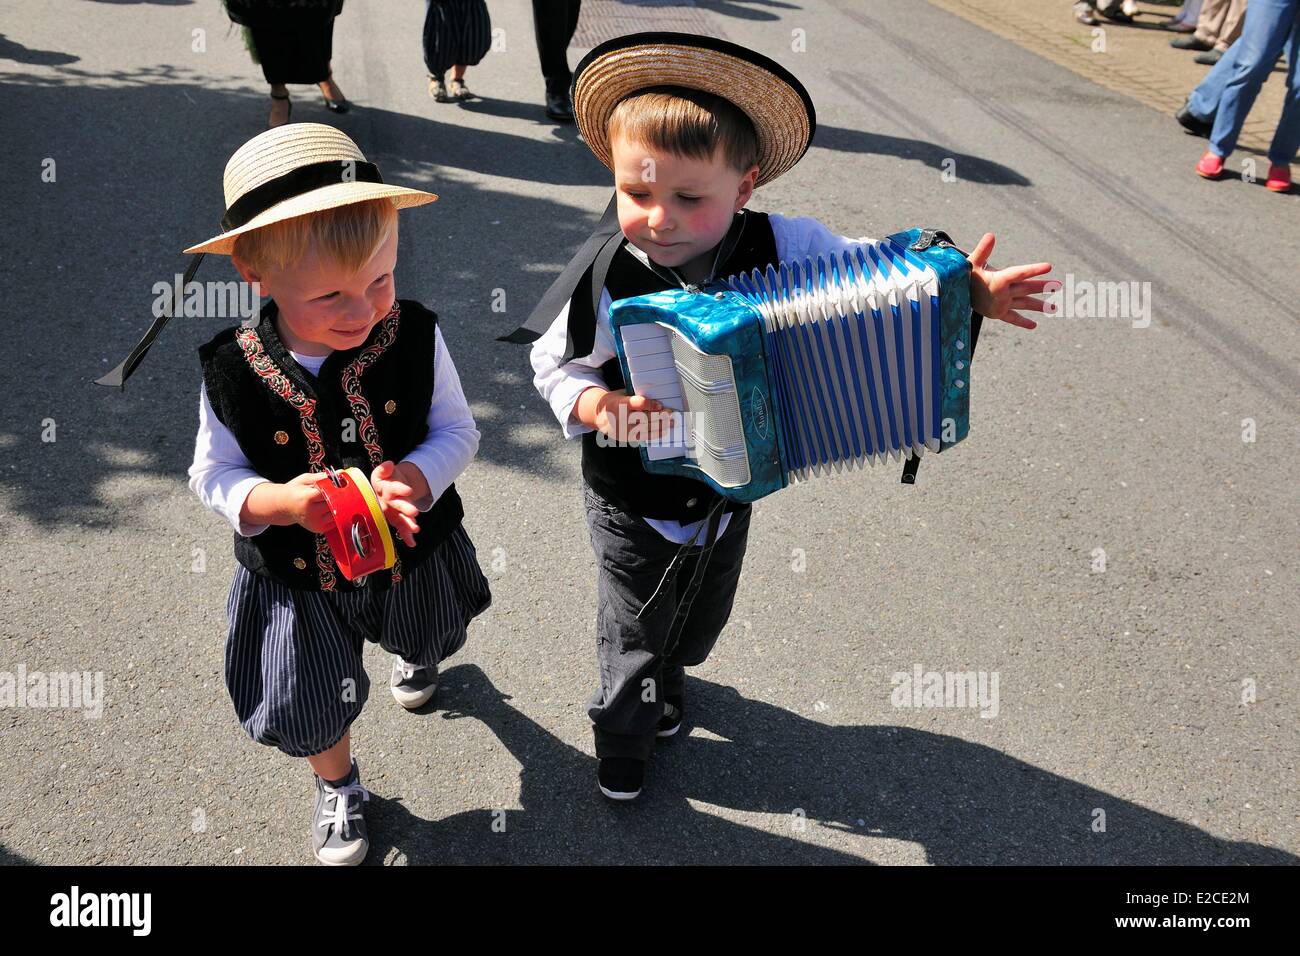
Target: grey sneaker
412,686
438,89
338,834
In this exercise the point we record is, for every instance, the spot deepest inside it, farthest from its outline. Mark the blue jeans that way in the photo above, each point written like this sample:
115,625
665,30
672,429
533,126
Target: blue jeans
1228,92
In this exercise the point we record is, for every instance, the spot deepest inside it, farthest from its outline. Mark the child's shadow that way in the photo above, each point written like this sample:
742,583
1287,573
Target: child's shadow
960,802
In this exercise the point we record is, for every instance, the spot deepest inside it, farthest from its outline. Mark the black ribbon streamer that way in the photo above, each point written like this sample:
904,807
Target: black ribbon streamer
297,181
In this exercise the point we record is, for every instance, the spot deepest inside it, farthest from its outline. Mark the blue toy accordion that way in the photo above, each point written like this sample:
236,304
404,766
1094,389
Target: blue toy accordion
807,368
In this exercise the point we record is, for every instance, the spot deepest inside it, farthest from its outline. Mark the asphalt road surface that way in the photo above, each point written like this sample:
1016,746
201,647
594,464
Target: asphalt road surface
1146,713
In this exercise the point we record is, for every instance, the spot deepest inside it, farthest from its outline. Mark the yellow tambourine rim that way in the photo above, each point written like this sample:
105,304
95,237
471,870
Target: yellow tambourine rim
363,485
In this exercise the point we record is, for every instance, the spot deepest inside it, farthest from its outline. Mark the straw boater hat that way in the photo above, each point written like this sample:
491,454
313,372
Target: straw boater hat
297,169
284,172
775,102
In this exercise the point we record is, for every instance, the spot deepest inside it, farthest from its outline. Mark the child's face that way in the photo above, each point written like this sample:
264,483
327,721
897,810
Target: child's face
676,208
323,309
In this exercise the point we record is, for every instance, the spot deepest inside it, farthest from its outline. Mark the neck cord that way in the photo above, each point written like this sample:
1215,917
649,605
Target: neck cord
672,276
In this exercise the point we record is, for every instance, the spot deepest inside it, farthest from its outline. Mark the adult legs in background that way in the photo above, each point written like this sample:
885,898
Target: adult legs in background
1269,26
1220,22
1204,101
1286,140
554,23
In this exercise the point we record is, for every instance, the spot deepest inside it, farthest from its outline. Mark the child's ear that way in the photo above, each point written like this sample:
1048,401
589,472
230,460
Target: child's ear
745,192
245,271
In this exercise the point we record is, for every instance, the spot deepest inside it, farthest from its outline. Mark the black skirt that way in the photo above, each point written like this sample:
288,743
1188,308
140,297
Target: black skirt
293,43
455,32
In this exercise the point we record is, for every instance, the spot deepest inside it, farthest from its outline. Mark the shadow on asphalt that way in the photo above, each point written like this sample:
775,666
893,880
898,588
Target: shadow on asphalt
138,159
962,803
738,11
973,168
9,858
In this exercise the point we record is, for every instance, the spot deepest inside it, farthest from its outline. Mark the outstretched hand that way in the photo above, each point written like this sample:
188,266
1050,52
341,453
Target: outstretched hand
998,293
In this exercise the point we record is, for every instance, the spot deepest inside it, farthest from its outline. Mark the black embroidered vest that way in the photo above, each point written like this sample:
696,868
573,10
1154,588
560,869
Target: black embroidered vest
368,404
616,472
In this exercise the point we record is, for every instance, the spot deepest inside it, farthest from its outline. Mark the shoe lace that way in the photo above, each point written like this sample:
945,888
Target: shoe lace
342,811
408,670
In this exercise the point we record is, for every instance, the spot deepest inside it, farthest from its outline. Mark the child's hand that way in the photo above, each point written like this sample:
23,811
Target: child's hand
997,293
303,503
623,417
396,486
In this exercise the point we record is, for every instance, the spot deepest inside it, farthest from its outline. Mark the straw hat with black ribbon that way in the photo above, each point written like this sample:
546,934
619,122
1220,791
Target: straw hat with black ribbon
288,171
775,102
769,94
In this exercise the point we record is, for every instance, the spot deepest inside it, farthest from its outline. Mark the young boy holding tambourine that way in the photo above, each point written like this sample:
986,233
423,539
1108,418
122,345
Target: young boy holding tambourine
336,374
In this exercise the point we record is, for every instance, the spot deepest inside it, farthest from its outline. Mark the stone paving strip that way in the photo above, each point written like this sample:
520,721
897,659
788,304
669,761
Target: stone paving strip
1133,59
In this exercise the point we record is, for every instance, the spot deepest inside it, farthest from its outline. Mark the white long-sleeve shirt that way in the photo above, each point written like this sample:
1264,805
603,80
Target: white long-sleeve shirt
561,384
222,476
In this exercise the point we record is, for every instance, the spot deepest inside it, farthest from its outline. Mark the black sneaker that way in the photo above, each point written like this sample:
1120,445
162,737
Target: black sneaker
671,721
1193,123
1208,58
412,686
620,778
1190,42
338,833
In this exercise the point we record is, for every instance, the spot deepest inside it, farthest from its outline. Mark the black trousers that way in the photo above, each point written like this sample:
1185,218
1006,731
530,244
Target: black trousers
554,22
640,662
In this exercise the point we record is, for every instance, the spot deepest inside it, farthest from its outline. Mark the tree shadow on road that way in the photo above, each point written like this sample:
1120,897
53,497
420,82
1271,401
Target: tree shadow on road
960,802
110,223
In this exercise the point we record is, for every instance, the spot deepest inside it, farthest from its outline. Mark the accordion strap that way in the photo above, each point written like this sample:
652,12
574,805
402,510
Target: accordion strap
976,321
596,254
913,462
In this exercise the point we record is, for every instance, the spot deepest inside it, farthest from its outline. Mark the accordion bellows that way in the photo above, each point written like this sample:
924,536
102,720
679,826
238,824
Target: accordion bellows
807,368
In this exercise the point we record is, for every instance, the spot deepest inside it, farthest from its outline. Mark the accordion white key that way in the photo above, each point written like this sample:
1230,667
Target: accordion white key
807,368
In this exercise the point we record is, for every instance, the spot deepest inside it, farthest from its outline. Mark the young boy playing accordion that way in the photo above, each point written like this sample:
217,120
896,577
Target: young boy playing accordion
690,126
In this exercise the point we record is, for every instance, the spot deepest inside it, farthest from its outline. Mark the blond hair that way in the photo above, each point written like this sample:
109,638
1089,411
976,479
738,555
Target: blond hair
687,122
344,236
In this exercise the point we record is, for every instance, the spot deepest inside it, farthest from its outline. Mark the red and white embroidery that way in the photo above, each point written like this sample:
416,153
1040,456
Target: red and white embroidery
358,402
279,384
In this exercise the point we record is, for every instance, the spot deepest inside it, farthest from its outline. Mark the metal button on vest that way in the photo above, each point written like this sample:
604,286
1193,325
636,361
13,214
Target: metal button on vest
390,406
692,503
282,438
300,564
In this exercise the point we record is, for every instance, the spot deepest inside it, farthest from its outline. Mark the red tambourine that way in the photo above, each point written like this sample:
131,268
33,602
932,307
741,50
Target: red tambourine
359,539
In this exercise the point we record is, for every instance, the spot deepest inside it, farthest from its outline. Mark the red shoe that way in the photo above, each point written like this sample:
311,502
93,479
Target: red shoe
1210,166
1279,179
